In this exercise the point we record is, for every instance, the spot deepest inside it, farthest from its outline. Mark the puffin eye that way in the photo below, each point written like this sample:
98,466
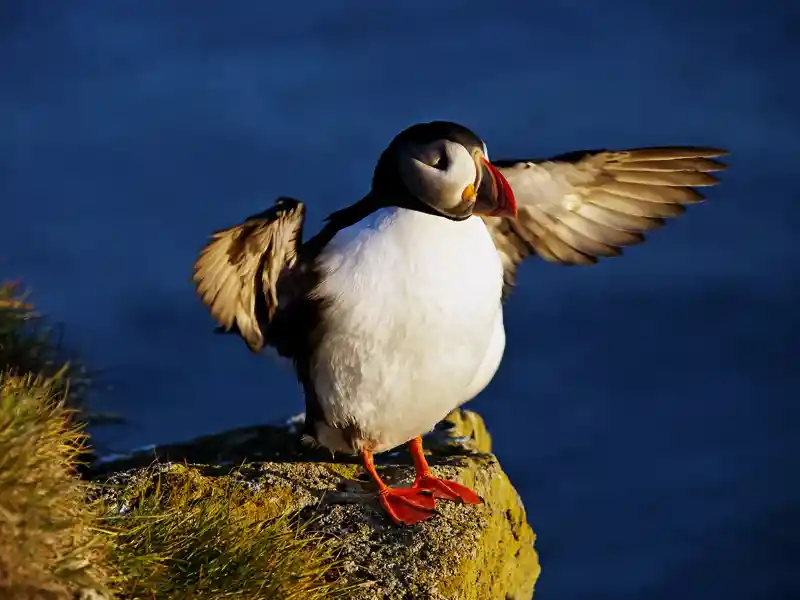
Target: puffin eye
435,156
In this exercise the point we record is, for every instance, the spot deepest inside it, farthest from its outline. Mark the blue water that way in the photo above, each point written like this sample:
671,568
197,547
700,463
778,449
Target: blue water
647,408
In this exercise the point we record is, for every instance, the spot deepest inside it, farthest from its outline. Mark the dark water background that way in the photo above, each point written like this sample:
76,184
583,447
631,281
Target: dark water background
647,409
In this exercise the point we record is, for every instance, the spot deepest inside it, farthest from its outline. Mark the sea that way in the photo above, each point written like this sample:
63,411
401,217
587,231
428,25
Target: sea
647,408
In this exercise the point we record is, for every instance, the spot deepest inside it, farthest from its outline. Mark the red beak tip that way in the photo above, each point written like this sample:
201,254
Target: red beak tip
506,202
509,202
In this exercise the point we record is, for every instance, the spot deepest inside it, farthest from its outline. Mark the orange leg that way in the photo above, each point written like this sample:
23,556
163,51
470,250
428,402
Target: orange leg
405,506
441,488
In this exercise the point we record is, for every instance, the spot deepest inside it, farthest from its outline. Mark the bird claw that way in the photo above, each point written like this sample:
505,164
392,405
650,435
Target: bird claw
407,506
447,490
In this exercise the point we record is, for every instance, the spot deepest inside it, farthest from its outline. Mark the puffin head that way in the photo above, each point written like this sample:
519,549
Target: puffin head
442,168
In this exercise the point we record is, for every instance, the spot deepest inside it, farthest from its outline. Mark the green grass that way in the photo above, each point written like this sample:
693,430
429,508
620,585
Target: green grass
169,534
190,536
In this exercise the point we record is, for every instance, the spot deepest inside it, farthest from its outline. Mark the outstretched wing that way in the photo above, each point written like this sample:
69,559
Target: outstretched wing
578,207
237,273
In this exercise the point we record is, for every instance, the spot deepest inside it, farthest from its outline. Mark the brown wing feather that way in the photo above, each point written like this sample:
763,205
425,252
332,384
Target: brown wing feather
578,207
238,271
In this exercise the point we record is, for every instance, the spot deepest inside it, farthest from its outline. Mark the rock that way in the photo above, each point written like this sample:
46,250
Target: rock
481,552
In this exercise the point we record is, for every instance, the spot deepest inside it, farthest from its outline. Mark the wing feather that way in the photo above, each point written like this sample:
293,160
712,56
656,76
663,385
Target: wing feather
576,208
237,273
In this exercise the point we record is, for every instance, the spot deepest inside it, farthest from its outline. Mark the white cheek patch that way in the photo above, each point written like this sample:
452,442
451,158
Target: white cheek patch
437,186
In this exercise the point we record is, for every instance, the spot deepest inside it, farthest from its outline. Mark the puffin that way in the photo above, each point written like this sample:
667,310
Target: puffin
392,313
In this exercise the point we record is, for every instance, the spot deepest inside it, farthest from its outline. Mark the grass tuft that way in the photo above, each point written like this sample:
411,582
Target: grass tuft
190,536
29,345
170,533
49,546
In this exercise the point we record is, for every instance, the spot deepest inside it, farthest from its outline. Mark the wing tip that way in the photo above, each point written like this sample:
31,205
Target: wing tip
281,206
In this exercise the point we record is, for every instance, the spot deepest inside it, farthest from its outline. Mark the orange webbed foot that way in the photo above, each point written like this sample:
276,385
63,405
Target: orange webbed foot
407,506
447,490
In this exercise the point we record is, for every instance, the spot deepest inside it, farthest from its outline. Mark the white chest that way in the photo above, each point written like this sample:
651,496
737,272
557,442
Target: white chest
413,309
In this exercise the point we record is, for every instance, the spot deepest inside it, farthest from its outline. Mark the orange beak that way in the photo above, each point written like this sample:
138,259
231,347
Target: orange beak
495,197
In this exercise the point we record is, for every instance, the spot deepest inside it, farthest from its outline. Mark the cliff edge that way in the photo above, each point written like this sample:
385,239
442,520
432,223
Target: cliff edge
481,552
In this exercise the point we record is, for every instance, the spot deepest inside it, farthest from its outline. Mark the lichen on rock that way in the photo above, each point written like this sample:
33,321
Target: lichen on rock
463,553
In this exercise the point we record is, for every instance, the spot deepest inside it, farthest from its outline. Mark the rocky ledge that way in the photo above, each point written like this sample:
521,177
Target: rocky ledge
481,552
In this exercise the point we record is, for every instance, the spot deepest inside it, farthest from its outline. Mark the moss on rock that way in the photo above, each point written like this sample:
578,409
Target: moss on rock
464,553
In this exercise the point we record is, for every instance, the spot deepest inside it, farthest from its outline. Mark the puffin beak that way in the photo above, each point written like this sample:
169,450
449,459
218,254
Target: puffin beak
495,197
